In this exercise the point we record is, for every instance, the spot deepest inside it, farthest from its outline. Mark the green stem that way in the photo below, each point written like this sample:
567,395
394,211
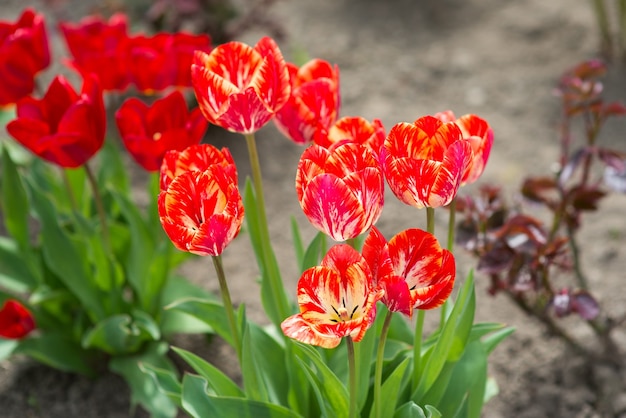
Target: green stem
417,347
228,304
451,225
272,273
352,377
100,209
380,357
430,220
421,314
70,192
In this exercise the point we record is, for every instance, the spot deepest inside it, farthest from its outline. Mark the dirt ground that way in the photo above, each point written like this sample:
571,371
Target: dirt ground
401,59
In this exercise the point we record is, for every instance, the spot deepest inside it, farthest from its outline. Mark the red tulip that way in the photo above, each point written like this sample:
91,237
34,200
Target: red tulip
424,161
23,53
340,189
337,299
98,47
238,87
314,102
480,136
412,269
16,321
202,211
195,158
183,47
63,127
355,129
148,132
151,68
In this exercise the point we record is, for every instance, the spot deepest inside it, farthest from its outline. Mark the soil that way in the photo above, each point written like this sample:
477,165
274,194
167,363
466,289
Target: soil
401,59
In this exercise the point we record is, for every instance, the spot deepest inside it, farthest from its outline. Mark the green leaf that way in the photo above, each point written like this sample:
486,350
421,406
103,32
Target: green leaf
314,252
450,341
221,384
121,334
466,387
112,173
330,391
391,388
57,351
7,347
364,362
16,274
144,390
14,202
266,260
270,356
412,410
296,237
166,381
491,341
198,403
178,322
66,256
209,312
251,369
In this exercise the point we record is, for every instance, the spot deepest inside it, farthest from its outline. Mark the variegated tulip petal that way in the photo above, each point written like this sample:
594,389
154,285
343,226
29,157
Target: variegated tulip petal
297,328
416,256
244,113
434,295
332,207
336,299
480,136
397,296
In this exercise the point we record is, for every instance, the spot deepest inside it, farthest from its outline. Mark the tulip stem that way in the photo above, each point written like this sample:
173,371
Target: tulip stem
99,208
228,304
380,357
451,225
70,192
270,267
352,377
417,347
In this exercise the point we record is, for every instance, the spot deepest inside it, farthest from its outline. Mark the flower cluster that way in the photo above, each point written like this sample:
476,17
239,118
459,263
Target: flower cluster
121,285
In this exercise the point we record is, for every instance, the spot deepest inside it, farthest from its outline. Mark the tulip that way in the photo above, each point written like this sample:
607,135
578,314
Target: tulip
412,269
148,132
183,47
355,129
195,158
64,127
238,87
16,322
340,189
23,54
314,102
337,299
479,134
424,162
98,47
202,211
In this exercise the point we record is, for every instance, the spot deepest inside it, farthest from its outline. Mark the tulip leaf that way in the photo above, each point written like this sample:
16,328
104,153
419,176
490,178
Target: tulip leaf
330,391
391,388
65,255
178,322
199,404
14,202
412,410
219,383
112,174
15,274
314,252
121,334
465,390
144,390
209,312
490,342
273,298
55,350
296,237
7,347
166,381
451,339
